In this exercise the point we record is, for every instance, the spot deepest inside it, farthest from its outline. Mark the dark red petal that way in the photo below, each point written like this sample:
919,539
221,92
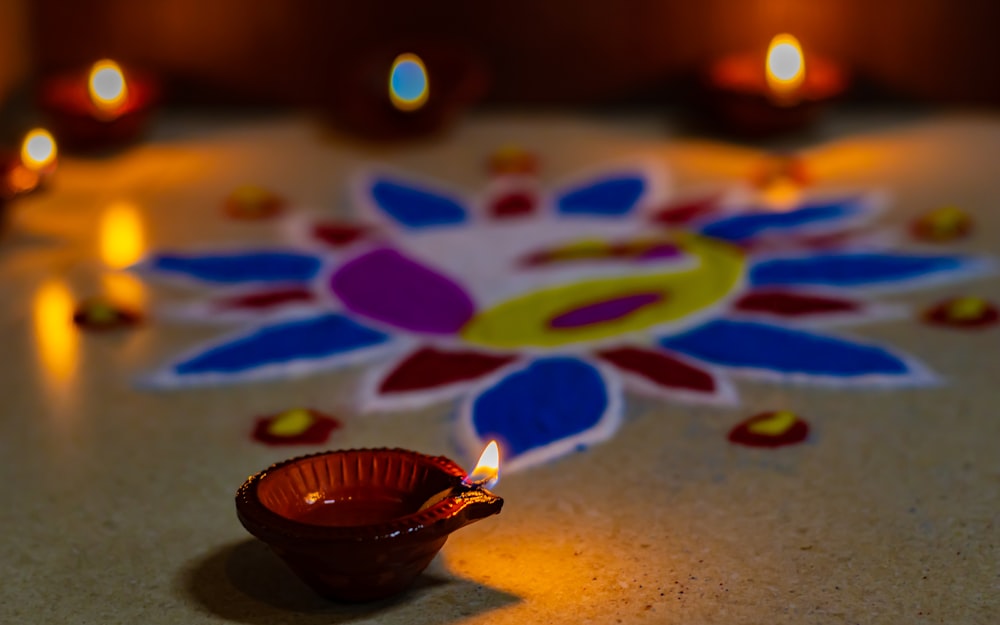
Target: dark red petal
660,369
513,204
825,241
338,234
684,212
267,299
430,368
792,304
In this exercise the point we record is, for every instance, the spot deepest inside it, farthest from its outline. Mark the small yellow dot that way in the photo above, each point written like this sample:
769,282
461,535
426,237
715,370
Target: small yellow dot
966,308
775,424
291,422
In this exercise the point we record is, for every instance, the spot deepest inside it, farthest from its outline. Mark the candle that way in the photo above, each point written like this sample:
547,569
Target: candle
101,107
780,91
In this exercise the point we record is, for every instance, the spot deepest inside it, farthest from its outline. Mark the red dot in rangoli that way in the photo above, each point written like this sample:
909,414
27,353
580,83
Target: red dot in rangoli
962,312
297,426
947,223
252,202
99,314
770,429
513,204
338,234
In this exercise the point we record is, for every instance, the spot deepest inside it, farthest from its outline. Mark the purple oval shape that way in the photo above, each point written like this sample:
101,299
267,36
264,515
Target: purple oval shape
386,286
606,310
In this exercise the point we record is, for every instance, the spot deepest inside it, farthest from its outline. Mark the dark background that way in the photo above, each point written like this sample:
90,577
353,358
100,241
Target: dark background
536,51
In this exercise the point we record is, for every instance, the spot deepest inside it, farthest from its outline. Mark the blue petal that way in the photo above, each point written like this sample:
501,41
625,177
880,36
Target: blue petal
547,409
238,268
414,207
615,195
745,344
854,269
298,346
749,225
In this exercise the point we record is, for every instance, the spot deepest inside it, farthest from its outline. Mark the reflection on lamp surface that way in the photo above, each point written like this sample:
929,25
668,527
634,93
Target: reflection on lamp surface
56,338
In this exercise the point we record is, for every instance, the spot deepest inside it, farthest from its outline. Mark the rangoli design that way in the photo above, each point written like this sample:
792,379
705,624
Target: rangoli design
536,308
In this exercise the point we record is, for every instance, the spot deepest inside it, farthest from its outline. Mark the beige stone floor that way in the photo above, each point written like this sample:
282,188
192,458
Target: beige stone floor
118,503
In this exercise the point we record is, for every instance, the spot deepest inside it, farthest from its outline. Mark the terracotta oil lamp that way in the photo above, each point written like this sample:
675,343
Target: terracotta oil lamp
784,91
103,107
362,524
28,169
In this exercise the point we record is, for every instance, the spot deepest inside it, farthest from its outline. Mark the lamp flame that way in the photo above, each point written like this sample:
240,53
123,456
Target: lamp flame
408,82
38,150
786,67
106,86
487,471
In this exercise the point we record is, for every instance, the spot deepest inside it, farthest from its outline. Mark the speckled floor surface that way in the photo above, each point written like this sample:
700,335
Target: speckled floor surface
119,502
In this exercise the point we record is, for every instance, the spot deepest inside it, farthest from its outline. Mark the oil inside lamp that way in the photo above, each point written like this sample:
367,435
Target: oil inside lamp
785,67
107,87
408,82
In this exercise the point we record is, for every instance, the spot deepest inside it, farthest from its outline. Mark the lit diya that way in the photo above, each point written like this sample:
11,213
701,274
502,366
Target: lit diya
408,91
102,107
99,314
362,524
781,91
770,429
962,312
940,225
27,170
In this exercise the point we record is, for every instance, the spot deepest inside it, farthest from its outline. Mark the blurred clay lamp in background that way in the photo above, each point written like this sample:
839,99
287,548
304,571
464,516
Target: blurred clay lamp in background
782,91
27,169
404,92
103,107
362,524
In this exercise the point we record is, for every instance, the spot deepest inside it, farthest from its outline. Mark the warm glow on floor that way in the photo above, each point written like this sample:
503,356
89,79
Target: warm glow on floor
55,335
122,238
124,289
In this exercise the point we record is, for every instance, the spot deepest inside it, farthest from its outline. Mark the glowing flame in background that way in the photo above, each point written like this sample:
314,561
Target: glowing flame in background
106,86
38,150
487,471
786,67
409,85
